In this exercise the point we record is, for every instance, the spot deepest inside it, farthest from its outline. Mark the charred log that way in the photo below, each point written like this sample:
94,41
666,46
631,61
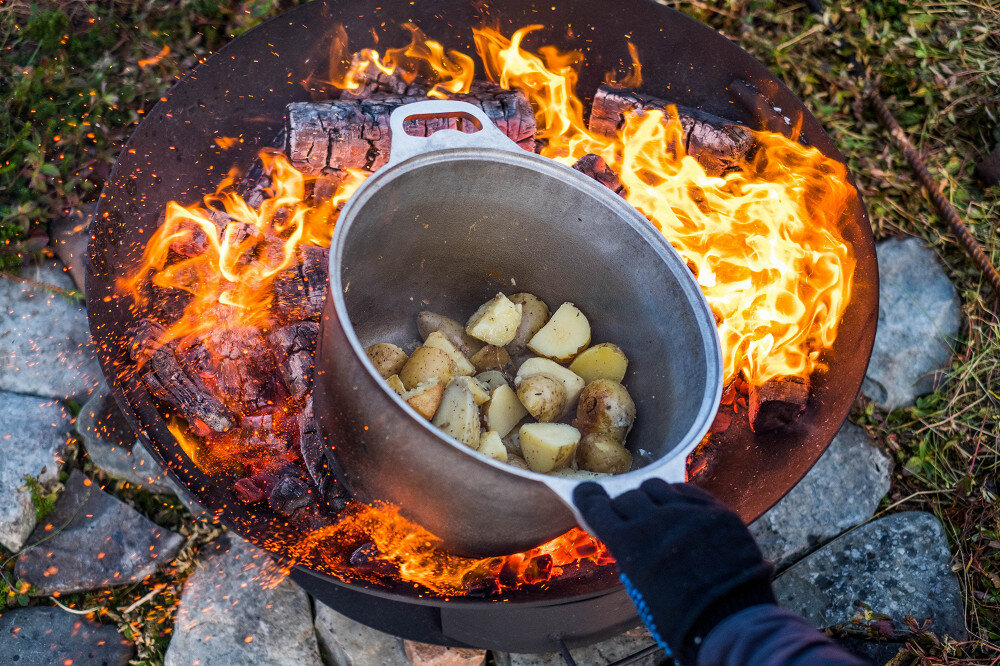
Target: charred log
289,495
373,81
300,291
331,136
239,365
777,402
594,166
718,144
293,348
318,458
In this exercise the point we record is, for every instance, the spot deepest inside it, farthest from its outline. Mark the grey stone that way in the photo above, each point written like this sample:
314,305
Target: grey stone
237,608
92,540
605,652
33,437
45,346
918,319
349,643
898,565
69,237
113,447
425,654
842,490
43,636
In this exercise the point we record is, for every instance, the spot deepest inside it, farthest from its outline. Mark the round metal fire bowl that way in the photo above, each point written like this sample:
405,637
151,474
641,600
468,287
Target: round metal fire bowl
242,90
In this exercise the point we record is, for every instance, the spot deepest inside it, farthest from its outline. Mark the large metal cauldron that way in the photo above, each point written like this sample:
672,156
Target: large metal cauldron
449,222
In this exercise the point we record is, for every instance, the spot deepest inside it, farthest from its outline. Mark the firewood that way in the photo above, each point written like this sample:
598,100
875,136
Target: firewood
331,136
718,144
293,348
373,81
300,291
181,387
241,366
289,495
594,166
317,457
777,402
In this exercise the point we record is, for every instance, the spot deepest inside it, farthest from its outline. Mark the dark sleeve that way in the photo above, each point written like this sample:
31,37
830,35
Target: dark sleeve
770,635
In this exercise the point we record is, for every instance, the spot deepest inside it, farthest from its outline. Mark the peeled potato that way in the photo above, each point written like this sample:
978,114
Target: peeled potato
513,443
387,358
565,335
603,361
535,366
534,314
504,410
548,446
478,391
439,341
495,322
491,379
425,398
491,445
458,415
490,358
543,396
603,453
428,322
396,384
605,407
425,364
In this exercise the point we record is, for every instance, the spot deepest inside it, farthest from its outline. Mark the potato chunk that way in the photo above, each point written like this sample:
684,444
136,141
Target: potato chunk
603,453
491,379
428,322
387,358
495,322
491,446
491,358
458,415
504,410
565,335
425,364
534,314
535,366
438,341
479,392
603,361
543,396
425,398
605,407
548,446
396,384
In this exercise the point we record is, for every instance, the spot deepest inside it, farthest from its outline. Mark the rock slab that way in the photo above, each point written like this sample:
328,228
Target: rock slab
842,490
918,318
92,540
45,345
425,654
236,608
898,565
348,643
113,447
42,636
605,652
33,437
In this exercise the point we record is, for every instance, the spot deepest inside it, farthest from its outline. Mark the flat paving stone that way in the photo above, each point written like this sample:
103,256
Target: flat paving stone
233,612
898,565
45,345
425,654
92,540
348,643
43,636
113,446
605,652
843,489
918,318
33,437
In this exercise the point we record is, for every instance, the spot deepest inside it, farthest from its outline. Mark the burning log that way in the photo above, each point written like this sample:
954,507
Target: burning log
594,166
777,402
241,367
373,81
318,458
293,347
300,291
354,133
718,144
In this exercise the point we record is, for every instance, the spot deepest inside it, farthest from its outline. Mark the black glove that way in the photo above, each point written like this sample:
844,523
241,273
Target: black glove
686,560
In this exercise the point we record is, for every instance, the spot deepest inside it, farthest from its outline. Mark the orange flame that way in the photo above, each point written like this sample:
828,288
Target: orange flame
764,243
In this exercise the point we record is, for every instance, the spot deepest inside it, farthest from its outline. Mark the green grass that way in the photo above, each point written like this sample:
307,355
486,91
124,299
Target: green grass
72,91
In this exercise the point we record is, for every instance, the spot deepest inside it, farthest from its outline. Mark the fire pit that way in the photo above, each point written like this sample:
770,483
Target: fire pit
235,104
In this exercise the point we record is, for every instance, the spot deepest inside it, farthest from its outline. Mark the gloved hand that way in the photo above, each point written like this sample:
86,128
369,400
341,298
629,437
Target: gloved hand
687,561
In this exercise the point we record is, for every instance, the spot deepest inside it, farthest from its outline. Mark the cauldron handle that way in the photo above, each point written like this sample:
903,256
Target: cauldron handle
671,469
404,146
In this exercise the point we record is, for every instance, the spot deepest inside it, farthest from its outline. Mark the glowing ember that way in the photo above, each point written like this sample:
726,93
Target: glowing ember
764,243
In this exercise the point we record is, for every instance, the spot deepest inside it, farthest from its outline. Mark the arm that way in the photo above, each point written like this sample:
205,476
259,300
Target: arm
699,580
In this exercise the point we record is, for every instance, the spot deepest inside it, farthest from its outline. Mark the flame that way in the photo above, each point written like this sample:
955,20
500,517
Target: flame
764,243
